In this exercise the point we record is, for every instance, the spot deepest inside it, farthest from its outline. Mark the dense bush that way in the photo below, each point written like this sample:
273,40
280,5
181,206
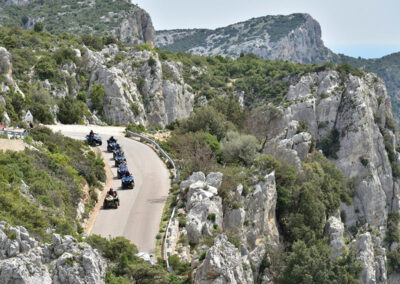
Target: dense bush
207,119
127,266
70,111
193,151
45,68
305,199
330,144
96,97
314,264
239,148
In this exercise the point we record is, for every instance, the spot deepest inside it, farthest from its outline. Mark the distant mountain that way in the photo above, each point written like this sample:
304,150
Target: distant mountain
296,38
126,21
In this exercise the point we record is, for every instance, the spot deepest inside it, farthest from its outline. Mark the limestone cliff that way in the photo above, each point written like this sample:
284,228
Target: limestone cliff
65,260
295,38
351,115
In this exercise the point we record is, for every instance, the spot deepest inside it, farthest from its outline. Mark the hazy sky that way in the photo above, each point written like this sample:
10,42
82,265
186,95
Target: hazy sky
366,28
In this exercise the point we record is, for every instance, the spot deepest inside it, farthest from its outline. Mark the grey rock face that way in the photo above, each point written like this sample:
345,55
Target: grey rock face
300,43
254,224
350,107
223,264
335,230
136,28
373,260
25,260
135,91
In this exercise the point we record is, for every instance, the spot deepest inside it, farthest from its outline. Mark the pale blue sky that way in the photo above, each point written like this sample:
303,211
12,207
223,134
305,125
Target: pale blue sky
366,28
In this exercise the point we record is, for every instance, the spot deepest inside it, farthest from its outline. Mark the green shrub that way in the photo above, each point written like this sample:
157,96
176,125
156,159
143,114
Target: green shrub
38,27
212,217
330,144
81,96
207,119
314,264
63,55
302,126
202,255
177,265
137,128
393,230
70,111
96,97
393,261
239,148
45,68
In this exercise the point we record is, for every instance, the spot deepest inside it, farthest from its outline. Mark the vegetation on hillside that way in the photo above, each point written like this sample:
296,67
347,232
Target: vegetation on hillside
276,27
42,188
214,139
74,16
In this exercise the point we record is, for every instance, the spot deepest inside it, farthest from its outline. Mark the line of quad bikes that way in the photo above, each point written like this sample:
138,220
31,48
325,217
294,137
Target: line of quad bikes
127,181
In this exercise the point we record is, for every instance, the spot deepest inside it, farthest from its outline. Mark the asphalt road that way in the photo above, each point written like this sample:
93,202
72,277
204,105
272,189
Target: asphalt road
138,217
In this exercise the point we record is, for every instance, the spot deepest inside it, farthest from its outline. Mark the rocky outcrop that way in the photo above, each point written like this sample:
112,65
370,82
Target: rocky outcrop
353,112
295,38
335,231
348,117
223,264
251,226
373,260
25,260
136,27
135,90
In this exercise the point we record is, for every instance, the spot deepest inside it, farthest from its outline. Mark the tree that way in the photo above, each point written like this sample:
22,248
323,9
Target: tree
38,27
96,97
314,264
70,111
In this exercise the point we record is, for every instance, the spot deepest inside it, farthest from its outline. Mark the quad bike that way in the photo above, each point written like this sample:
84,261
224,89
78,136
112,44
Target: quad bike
111,146
128,181
122,169
117,151
94,140
119,160
111,202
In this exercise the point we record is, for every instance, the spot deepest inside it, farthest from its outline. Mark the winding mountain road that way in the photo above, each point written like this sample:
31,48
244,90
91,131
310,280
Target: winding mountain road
139,214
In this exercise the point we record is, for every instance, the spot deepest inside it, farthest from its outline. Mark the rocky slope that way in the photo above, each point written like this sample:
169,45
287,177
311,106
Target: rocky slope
358,110
347,117
296,38
126,21
65,260
138,86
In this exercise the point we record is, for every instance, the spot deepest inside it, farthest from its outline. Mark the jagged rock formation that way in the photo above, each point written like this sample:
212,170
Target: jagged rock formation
25,260
251,227
223,264
355,114
295,38
126,21
135,88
